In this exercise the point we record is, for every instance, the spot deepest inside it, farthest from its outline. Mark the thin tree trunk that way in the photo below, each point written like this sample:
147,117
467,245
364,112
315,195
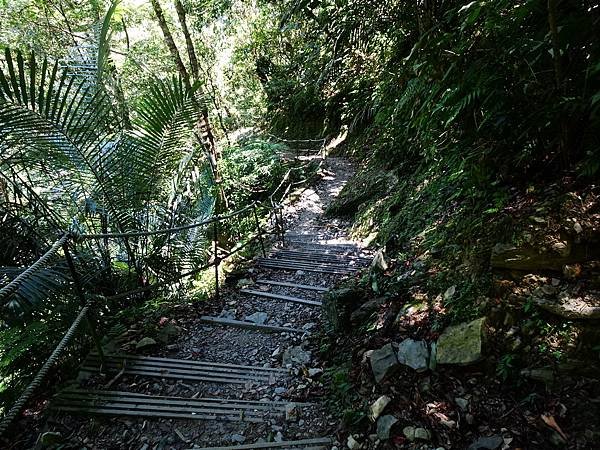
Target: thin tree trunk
188,39
204,132
171,43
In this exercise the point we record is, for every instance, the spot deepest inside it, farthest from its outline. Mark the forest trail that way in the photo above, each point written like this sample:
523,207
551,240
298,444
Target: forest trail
245,365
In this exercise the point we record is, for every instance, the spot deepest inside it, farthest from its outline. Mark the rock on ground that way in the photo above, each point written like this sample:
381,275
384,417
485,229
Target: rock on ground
414,354
383,362
461,344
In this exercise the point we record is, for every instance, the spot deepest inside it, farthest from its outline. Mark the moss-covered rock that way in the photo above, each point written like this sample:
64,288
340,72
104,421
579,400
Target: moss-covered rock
338,305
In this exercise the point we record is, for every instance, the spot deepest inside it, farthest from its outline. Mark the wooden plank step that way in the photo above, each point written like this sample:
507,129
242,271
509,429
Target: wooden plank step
120,403
286,298
304,265
342,266
249,325
293,285
318,256
304,444
341,248
179,369
330,243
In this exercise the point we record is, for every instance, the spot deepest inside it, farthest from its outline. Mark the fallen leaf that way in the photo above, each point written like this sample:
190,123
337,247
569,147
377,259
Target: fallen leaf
549,420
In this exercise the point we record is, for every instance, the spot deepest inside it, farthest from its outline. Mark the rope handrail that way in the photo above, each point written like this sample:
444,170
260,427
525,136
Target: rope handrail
39,377
12,287
173,230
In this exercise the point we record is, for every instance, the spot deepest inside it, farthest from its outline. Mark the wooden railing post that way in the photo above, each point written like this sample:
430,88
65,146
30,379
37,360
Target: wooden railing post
82,300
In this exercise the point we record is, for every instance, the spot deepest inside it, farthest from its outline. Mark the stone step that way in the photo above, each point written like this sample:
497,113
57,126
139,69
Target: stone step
180,369
304,444
120,403
285,298
249,325
293,285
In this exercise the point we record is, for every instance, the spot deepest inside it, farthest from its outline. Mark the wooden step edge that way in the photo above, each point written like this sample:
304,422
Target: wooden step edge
190,361
249,325
176,376
285,298
316,443
293,285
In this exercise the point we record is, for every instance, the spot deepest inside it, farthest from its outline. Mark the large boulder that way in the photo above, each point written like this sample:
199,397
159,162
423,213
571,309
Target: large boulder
383,362
461,344
570,306
535,258
414,354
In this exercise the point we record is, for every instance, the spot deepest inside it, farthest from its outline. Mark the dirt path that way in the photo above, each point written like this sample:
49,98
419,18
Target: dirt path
296,390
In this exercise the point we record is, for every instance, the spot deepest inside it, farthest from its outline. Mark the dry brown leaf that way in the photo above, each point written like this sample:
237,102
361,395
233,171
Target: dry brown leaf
551,422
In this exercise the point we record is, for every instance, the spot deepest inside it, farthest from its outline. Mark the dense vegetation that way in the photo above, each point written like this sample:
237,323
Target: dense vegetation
475,123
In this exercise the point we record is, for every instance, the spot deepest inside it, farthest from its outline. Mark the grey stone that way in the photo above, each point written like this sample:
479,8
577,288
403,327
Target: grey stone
413,433
422,434
413,354
384,425
570,307
258,318
227,314
462,403
379,261
295,356
366,310
383,362
461,344
145,342
353,443
168,332
237,438
244,282
487,443
433,356
314,372
378,406
280,390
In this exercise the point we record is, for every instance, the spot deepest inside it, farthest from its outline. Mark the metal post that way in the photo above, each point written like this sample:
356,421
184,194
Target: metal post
217,261
260,233
81,296
282,224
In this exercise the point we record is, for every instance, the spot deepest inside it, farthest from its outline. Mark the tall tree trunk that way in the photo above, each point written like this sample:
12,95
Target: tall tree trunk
171,43
188,39
204,132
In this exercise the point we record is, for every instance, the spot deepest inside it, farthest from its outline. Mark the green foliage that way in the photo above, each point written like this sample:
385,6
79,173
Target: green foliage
251,170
